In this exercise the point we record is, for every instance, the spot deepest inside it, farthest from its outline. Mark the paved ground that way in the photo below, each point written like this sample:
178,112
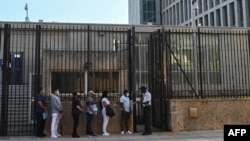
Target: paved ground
208,135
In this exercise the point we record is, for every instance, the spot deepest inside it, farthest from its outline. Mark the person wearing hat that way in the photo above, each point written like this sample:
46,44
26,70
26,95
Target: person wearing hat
76,110
90,112
146,104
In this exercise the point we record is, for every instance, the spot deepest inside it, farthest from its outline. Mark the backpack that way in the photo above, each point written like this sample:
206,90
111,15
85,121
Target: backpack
109,111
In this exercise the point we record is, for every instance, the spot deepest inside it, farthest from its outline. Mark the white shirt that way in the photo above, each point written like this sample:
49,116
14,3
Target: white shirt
146,97
125,100
107,101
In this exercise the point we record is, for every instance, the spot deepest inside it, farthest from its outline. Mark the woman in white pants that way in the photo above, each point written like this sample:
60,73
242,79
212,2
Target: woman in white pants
56,108
104,102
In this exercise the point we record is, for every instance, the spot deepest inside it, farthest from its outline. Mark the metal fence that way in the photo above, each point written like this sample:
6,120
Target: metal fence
71,57
202,63
173,63
198,63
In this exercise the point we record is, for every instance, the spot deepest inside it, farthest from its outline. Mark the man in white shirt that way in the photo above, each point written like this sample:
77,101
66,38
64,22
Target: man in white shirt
146,103
125,112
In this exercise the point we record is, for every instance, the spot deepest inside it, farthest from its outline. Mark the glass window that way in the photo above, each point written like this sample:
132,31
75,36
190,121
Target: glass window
217,2
206,20
240,15
224,12
181,11
211,4
205,5
200,21
17,63
100,81
69,82
200,6
149,11
232,14
218,18
212,19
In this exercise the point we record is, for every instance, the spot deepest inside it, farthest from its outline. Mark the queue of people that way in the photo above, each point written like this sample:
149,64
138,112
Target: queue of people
90,110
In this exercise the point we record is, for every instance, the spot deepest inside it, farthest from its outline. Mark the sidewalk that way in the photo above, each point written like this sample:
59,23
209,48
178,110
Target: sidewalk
208,135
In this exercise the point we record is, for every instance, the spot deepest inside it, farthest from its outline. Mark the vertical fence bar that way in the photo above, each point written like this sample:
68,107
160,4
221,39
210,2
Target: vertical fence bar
169,81
5,81
200,63
131,73
37,58
162,85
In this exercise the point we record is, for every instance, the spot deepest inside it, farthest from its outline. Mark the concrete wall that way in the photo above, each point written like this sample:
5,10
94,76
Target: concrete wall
66,124
212,114
183,115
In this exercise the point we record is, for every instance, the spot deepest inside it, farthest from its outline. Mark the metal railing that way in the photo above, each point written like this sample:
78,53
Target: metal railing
223,65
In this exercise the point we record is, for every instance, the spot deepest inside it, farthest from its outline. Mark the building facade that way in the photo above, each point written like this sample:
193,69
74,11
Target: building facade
227,13
83,57
144,12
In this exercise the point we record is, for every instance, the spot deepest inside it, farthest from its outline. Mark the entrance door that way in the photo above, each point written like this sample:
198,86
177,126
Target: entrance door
16,68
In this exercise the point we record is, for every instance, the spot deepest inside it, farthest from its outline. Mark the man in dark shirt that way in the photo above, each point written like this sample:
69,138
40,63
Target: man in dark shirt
41,112
76,111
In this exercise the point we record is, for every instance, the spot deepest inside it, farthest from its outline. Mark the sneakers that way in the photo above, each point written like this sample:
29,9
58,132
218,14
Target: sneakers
58,135
129,132
91,135
53,137
106,134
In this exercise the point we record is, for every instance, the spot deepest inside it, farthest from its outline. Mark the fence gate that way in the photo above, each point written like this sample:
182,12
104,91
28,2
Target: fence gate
162,60
16,94
157,59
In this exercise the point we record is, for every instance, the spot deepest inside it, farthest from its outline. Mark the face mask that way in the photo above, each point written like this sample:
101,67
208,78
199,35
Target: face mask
127,94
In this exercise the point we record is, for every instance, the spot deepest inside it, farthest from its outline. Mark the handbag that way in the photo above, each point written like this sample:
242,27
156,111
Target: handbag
45,115
109,111
59,115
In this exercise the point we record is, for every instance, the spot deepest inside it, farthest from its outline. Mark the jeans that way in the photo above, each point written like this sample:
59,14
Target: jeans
124,120
89,130
40,124
147,118
75,123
